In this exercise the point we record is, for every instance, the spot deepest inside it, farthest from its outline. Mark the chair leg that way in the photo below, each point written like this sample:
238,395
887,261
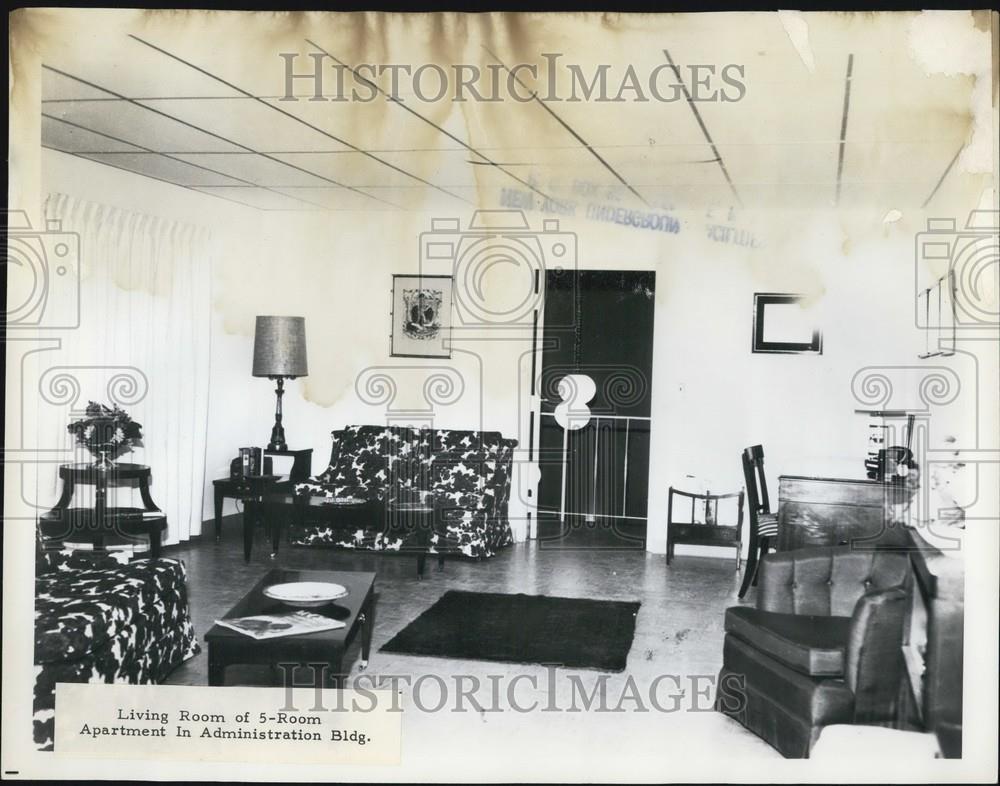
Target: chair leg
750,572
765,547
669,545
739,555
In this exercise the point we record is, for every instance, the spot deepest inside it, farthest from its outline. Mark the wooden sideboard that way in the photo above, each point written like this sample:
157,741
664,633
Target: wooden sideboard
830,511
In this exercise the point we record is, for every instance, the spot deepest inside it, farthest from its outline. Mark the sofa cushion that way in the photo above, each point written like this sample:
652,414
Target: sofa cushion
374,456
360,457
453,473
812,645
463,441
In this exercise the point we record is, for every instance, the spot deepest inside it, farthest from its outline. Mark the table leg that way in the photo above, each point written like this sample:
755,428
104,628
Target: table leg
275,522
248,525
216,667
335,672
367,618
219,498
438,528
426,524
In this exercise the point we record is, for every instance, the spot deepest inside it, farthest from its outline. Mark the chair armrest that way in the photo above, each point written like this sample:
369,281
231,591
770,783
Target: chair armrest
874,661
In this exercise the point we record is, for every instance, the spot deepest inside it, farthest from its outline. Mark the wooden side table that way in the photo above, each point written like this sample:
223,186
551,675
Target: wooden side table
95,523
301,462
251,490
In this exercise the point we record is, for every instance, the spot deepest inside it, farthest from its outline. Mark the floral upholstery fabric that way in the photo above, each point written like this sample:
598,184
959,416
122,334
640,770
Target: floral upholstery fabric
368,460
98,620
467,474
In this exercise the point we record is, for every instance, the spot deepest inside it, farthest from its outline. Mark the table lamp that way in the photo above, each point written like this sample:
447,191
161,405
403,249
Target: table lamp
279,353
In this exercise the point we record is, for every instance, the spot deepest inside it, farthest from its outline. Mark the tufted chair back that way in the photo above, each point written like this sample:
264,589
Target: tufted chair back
827,581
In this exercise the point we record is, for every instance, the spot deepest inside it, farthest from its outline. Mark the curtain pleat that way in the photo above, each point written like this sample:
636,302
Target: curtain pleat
143,344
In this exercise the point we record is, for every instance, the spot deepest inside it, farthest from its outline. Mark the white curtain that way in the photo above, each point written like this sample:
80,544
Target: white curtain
142,343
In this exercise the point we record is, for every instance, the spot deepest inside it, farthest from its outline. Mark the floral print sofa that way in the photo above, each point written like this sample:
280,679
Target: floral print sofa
101,619
467,474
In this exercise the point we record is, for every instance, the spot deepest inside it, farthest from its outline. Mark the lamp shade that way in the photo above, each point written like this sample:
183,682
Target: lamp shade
279,347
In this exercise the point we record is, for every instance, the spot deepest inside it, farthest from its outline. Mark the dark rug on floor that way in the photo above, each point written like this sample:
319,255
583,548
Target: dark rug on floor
571,632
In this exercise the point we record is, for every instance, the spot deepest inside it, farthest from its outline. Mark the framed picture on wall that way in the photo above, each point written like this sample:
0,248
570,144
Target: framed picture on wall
421,316
784,324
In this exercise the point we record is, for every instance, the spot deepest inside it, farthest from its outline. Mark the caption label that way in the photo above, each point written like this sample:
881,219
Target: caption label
227,724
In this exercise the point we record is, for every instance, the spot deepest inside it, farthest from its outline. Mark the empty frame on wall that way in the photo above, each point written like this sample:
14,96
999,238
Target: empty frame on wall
782,324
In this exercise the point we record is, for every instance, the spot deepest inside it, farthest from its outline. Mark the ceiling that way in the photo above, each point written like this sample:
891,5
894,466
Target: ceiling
201,108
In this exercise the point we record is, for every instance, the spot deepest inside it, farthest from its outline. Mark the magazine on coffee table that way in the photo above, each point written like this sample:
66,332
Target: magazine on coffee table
270,626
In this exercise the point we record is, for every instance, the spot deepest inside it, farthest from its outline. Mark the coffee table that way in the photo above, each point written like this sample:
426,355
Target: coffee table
228,647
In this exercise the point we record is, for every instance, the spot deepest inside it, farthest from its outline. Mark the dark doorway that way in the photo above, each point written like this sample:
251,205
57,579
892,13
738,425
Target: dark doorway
594,478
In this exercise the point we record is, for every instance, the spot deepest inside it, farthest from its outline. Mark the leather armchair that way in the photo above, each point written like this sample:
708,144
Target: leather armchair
822,646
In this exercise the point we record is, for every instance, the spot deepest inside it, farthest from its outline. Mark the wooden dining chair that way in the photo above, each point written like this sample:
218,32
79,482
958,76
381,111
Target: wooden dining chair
763,523
711,532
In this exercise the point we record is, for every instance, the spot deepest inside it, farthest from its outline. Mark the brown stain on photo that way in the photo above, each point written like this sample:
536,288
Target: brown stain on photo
321,250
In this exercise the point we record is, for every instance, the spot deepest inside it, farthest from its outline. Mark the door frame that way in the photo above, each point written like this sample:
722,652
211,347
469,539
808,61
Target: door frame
536,414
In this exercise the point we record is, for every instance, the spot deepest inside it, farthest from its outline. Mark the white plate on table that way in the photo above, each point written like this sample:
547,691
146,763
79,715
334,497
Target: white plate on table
306,594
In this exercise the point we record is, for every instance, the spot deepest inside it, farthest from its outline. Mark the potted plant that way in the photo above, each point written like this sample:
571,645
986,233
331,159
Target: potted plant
107,432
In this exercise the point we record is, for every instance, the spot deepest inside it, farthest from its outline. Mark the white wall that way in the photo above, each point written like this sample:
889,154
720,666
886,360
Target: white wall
711,396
